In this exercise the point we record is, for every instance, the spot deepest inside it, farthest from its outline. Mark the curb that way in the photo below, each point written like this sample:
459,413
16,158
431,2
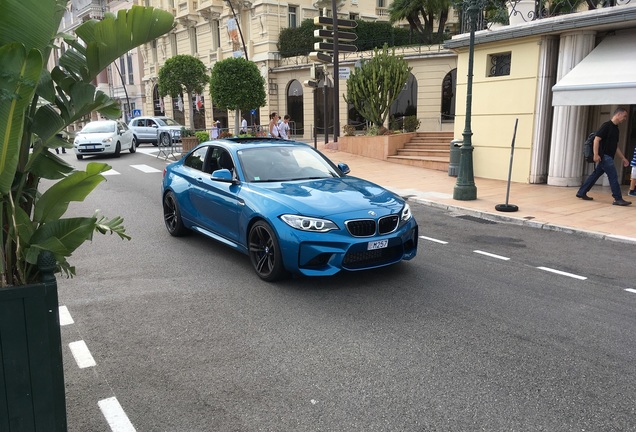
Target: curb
523,222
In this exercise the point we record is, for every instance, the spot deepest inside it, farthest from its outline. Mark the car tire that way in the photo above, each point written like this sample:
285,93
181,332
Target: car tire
165,140
137,142
264,252
172,216
133,146
79,157
155,143
118,149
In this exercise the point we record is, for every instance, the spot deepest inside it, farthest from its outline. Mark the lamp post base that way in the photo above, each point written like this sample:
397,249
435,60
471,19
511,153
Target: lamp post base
465,192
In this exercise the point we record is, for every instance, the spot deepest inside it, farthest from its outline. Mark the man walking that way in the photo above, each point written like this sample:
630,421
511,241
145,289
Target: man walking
605,148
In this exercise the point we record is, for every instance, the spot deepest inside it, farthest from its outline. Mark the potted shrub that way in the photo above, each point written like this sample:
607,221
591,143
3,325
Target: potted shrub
188,140
35,238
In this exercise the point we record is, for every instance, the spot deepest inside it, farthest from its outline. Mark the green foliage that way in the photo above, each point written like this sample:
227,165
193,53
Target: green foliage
372,88
202,136
237,84
297,41
35,105
183,73
300,41
416,11
185,132
411,123
349,130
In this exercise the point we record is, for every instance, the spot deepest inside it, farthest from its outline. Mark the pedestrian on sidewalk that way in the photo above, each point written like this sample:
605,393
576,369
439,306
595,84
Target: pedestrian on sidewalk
274,132
632,182
283,127
605,148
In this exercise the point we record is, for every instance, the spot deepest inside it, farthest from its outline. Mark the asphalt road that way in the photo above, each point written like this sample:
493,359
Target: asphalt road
493,327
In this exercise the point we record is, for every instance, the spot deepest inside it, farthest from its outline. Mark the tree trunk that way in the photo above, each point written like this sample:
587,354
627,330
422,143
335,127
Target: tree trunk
188,105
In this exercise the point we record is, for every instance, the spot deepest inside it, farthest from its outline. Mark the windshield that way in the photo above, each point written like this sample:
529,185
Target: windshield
167,122
284,163
99,127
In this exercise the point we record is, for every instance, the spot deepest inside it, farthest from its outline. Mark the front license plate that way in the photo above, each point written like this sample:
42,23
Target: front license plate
380,244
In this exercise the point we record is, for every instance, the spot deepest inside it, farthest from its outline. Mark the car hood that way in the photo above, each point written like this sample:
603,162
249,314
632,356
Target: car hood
93,136
327,197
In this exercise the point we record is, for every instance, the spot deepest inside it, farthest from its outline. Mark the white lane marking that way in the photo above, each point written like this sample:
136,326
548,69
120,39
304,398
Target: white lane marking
562,273
433,240
115,415
65,316
110,172
631,290
492,255
145,168
82,355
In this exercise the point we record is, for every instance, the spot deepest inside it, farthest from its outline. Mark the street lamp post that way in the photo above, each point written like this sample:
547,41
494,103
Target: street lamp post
465,189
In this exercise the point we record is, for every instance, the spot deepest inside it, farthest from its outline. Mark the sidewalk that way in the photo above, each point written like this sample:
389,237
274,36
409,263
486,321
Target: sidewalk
540,206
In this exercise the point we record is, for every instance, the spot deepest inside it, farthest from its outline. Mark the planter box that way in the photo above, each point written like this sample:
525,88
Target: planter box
32,394
377,147
188,143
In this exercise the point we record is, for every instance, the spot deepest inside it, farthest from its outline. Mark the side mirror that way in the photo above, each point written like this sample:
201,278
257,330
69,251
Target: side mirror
344,168
223,175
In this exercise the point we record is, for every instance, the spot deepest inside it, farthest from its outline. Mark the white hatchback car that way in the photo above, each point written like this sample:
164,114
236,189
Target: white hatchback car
104,137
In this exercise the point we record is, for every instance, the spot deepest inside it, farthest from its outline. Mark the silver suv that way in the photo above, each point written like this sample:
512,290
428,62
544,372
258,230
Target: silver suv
155,130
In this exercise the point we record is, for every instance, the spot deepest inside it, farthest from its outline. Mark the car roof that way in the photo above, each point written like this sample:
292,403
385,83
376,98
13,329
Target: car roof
252,142
102,121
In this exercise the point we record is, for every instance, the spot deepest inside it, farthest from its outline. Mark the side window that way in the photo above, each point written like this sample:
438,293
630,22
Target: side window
196,159
149,123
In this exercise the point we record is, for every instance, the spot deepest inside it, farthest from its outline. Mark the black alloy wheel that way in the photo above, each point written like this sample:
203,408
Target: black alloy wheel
172,216
165,140
265,253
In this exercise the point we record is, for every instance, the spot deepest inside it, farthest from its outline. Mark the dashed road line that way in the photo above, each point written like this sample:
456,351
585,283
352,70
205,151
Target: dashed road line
145,168
115,415
562,273
491,255
433,240
111,172
631,290
65,316
82,355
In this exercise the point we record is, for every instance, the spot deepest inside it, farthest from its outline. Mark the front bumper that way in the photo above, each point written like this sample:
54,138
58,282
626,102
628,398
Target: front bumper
325,254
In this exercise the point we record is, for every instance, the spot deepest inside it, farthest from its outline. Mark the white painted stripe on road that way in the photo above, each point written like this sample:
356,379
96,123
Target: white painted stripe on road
82,355
110,172
562,273
488,254
65,316
433,240
115,415
145,168
631,290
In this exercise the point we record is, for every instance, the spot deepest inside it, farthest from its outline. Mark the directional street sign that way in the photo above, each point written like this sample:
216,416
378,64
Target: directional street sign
342,36
342,24
326,46
320,57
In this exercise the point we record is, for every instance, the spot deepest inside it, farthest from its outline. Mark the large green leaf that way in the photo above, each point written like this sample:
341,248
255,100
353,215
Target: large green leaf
61,236
54,202
108,39
19,74
33,23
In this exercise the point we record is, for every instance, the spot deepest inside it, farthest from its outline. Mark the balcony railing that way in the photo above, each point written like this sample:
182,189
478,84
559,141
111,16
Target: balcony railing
519,11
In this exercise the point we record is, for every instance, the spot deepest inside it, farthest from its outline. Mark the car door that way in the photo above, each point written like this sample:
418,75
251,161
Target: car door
126,135
216,202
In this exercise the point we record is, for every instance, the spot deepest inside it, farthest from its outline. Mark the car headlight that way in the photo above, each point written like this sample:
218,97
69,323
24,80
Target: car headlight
406,213
107,140
305,223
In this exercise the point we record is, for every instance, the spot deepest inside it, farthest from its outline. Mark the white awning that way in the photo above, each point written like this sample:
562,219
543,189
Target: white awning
607,76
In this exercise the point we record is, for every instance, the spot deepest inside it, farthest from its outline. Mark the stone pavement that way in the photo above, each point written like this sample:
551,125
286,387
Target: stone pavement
540,206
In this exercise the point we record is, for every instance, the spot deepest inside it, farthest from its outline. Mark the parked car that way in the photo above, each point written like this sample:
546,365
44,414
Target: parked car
104,137
155,130
286,206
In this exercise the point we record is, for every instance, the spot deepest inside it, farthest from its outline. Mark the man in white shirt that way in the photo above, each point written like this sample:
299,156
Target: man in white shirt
243,125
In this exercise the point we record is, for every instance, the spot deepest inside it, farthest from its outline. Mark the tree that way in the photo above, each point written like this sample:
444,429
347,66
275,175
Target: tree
428,10
236,84
183,73
372,88
35,105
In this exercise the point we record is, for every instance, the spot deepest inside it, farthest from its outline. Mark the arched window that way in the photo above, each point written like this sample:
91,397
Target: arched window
405,105
295,107
448,96
157,101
